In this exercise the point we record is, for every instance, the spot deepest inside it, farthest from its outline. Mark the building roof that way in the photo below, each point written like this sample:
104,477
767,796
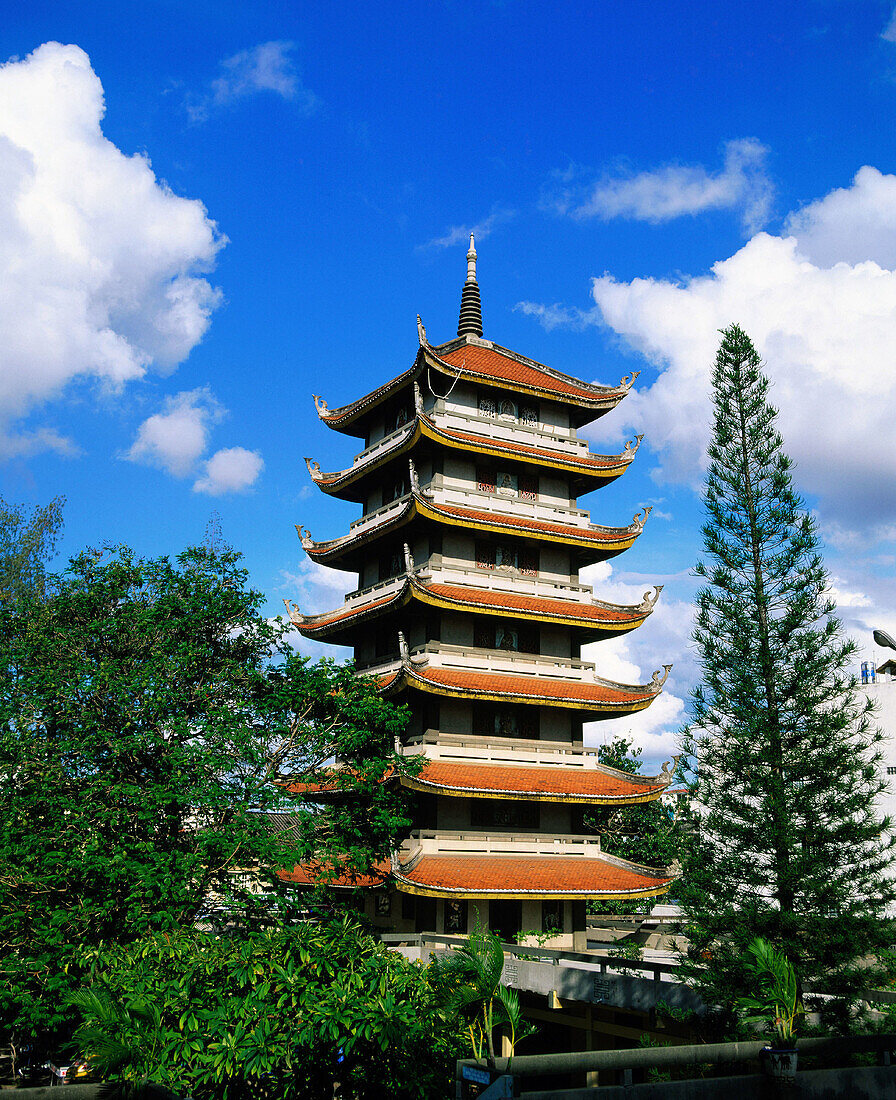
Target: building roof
593,785
309,874
486,362
586,467
597,541
530,876
593,617
598,698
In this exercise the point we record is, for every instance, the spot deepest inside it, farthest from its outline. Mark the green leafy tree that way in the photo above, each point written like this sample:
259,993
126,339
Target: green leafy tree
148,711
645,832
790,844
300,1012
27,543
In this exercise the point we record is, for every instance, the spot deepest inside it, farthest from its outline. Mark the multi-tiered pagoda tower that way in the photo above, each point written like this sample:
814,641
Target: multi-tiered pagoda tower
470,609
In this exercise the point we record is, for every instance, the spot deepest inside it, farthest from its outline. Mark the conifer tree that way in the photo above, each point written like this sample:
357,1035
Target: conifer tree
790,845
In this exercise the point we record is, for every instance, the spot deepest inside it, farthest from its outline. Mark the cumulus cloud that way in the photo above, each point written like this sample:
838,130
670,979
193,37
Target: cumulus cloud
825,328
314,588
231,470
850,224
268,67
676,190
663,639
461,233
101,265
889,31
174,440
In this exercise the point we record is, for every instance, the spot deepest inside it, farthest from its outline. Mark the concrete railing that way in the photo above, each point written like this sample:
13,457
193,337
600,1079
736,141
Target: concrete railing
645,1058
444,841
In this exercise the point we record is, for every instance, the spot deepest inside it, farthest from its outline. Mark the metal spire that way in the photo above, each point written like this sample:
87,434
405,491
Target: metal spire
470,321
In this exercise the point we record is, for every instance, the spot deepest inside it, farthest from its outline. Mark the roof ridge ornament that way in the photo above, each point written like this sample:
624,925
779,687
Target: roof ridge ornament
408,560
637,523
403,648
668,771
418,398
648,603
313,467
320,405
631,447
305,535
421,333
655,682
296,616
628,380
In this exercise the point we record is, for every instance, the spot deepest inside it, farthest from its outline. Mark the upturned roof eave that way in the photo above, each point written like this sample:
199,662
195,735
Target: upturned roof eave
598,539
592,467
333,622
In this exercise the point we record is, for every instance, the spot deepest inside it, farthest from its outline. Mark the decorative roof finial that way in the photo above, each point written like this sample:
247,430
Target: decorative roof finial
470,322
471,262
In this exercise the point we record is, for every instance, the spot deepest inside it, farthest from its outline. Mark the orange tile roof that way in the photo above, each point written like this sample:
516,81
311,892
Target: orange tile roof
318,622
570,876
502,684
534,605
572,784
613,539
573,612
498,363
309,874
587,462
591,533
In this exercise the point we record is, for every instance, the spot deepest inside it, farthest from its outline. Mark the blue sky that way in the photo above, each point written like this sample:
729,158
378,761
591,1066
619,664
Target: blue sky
273,192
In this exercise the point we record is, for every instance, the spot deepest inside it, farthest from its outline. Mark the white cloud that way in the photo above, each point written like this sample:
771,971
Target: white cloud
175,440
101,264
850,224
268,67
461,233
889,32
632,658
231,470
827,333
314,588
676,190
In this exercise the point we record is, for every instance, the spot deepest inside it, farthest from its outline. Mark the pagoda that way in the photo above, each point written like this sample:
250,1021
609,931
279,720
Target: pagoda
470,610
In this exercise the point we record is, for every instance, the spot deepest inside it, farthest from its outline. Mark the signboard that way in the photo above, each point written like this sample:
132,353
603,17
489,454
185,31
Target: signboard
478,1083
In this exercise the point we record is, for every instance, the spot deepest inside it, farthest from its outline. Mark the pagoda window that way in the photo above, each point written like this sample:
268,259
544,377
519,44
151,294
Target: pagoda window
528,487
485,480
398,488
507,410
402,416
552,917
498,721
391,564
504,813
529,415
513,636
487,407
455,917
528,561
383,905
485,555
